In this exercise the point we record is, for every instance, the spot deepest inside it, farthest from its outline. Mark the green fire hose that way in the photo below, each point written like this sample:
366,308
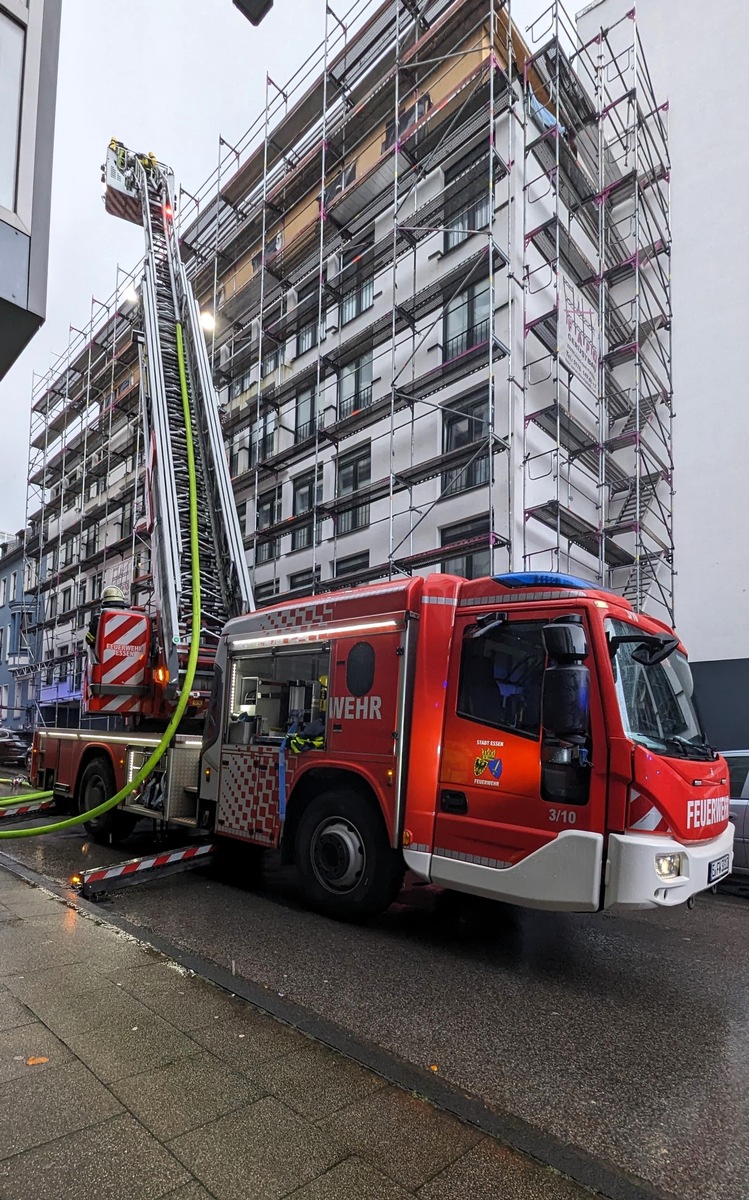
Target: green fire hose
192,660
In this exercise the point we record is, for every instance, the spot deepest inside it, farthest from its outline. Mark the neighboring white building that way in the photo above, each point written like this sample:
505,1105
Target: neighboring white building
29,42
690,49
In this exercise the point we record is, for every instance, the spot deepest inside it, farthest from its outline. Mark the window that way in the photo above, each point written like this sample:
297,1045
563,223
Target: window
466,321
360,669
408,117
91,544
738,769
242,517
13,586
304,579
305,497
306,419
463,425
308,316
354,565
268,513
68,553
63,668
52,606
341,181
467,208
67,599
126,519
354,472
3,592
355,385
264,592
12,38
239,452
501,677
2,645
262,438
96,586
271,359
471,556
357,280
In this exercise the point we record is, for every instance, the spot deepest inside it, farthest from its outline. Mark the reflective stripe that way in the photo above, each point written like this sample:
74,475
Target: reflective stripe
469,858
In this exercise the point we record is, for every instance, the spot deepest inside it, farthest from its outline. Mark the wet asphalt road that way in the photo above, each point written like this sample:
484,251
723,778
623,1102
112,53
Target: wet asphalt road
625,1036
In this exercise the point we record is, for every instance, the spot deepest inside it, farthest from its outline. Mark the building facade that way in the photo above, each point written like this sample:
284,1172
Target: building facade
710,169
29,43
17,619
437,272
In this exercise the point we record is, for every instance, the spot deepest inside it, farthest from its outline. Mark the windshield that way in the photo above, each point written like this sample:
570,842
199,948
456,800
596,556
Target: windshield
656,701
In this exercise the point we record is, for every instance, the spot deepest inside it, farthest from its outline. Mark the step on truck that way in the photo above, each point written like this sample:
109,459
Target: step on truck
527,738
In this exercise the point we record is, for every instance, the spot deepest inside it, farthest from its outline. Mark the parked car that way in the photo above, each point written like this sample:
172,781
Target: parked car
738,769
14,750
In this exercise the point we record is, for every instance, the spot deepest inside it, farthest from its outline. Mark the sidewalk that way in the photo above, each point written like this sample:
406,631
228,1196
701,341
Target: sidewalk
121,1078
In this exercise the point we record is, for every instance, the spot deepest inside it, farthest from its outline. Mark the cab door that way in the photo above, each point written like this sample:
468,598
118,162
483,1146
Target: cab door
506,789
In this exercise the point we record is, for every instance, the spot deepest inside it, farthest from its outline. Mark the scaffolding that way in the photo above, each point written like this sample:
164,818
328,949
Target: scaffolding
84,495
438,266
598,478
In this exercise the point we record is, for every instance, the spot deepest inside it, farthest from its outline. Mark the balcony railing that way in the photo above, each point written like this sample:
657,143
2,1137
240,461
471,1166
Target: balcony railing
473,336
352,404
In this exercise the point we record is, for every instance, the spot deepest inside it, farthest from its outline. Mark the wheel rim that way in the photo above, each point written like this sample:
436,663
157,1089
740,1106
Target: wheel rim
338,856
96,792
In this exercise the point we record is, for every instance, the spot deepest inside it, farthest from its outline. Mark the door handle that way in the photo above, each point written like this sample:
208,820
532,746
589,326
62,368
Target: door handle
453,802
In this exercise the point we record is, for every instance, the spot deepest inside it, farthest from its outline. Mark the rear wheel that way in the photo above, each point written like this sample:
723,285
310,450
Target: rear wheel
347,867
97,785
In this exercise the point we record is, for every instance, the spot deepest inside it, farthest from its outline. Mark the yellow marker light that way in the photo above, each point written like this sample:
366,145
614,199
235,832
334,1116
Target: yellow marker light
208,772
161,675
407,837
76,880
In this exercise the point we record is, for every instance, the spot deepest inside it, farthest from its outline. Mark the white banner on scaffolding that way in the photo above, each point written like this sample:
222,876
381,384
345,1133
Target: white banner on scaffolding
120,575
578,334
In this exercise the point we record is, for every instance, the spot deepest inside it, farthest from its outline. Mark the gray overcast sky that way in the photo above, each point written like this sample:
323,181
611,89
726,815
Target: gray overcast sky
161,75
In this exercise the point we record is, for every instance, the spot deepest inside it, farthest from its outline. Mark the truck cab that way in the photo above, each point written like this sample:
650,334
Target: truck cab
528,738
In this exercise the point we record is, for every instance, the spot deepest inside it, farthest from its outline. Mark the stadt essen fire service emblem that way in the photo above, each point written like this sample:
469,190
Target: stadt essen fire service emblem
487,759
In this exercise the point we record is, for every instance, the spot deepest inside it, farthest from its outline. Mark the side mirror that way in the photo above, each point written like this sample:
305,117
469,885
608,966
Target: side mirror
566,698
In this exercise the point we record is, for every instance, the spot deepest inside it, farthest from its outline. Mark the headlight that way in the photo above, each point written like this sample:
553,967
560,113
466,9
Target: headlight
668,866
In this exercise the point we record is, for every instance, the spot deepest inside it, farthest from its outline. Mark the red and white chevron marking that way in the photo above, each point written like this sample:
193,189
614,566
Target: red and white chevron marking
153,861
644,817
124,641
22,810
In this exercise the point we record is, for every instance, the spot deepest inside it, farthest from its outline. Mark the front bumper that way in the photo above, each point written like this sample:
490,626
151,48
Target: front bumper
631,880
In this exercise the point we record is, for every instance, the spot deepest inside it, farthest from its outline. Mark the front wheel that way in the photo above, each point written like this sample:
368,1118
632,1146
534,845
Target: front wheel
347,867
97,785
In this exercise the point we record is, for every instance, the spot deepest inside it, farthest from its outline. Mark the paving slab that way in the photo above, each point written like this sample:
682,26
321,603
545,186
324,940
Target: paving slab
248,1039
490,1171
263,1152
185,1000
51,1104
28,1049
183,1095
136,1042
315,1081
84,1011
402,1136
115,1160
12,1011
352,1179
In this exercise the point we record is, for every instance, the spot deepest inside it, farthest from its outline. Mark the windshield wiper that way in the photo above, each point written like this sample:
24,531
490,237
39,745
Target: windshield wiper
699,751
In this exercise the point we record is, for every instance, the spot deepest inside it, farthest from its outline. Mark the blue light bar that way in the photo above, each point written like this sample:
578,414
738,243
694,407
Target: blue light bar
543,579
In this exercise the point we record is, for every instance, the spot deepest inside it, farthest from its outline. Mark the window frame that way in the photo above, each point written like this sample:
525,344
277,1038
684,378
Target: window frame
474,645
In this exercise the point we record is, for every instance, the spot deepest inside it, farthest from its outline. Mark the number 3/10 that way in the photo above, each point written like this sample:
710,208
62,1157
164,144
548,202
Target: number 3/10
562,816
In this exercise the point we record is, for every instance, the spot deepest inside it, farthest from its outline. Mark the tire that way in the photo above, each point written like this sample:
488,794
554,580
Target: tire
97,785
346,865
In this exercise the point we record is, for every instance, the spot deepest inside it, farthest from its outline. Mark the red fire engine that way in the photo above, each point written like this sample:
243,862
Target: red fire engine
527,738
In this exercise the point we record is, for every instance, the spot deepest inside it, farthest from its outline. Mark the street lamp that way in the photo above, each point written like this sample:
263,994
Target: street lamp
254,10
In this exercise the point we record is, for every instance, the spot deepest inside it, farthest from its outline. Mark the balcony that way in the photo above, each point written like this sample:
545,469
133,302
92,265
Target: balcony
351,404
468,339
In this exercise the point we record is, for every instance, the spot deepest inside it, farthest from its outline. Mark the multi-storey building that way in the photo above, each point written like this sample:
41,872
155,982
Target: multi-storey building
17,617
436,271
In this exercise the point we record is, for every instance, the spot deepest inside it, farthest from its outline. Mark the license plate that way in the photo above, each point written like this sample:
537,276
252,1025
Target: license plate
717,868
